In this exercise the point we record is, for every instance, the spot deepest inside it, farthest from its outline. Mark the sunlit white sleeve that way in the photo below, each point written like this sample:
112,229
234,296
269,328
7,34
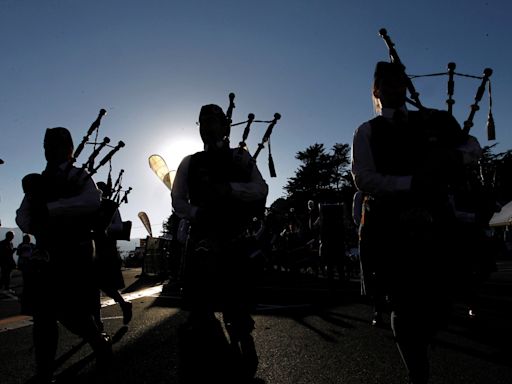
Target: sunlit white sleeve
365,174
180,194
86,202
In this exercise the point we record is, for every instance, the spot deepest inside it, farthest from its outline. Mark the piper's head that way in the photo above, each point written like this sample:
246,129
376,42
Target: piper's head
58,145
389,86
213,126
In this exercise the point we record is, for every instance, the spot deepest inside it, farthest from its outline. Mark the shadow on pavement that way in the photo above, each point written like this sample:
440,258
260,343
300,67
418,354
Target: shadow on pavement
165,353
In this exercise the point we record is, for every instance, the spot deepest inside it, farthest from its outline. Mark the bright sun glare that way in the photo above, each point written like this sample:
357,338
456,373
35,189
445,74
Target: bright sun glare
174,150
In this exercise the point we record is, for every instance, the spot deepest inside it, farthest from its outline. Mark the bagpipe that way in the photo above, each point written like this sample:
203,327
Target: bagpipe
467,189
76,179
112,198
89,164
235,213
414,95
72,179
442,131
266,136
113,194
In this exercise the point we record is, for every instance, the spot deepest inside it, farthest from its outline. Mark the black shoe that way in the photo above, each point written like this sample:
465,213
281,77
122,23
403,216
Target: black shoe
103,352
249,356
100,325
126,307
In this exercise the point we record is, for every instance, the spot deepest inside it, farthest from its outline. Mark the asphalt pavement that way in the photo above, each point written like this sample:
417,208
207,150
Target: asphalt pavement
305,333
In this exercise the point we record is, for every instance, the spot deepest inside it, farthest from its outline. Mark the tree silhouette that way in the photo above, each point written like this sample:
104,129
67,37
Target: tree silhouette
495,171
322,177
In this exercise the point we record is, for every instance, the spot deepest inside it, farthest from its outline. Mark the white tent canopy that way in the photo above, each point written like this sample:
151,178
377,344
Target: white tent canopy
503,217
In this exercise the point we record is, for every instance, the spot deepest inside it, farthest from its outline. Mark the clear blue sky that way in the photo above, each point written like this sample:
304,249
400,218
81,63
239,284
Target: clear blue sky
151,64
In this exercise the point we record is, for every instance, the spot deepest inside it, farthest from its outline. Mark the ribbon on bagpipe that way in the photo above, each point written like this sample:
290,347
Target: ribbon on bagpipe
266,136
414,95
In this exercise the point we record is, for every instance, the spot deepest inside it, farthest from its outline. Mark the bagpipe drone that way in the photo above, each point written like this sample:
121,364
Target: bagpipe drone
471,184
266,136
113,196
414,95
162,171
